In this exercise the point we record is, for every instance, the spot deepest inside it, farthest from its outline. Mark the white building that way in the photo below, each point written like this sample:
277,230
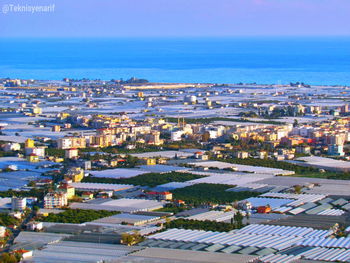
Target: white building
281,134
71,142
177,135
8,147
35,226
71,153
39,151
55,200
190,99
18,203
2,231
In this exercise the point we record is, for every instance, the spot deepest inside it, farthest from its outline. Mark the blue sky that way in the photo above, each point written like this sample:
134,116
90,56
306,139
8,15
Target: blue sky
179,18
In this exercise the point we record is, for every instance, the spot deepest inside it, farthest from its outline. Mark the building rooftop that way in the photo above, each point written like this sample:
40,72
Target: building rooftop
118,173
67,251
176,255
99,186
123,205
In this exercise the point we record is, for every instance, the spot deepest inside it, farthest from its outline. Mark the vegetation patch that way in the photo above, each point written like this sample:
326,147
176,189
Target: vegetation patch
299,170
210,193
7,220
34,192
77,216
149,179
206,225
172,208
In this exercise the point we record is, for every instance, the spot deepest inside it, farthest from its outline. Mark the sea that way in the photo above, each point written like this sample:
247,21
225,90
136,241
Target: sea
262,60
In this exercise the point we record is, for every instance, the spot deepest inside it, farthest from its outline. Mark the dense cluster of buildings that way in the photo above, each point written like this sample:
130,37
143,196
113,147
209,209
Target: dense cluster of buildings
97,146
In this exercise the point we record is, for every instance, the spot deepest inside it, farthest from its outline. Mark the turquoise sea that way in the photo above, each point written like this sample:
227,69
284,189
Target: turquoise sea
218,60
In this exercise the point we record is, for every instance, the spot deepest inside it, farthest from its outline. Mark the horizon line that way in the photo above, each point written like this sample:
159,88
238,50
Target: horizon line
174,37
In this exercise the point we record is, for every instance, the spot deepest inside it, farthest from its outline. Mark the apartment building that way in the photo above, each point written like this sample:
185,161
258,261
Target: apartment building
55,200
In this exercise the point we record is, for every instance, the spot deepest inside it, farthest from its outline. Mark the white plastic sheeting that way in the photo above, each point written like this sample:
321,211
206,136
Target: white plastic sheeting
327,254
237,239
244,168
282,209
274,203
283,231
217,216
278,258
299,198
296,211
343,242
227,178
332,212
324,254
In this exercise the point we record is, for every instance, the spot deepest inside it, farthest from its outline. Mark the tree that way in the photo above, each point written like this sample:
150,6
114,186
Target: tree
238,218
131,239
8,258
295,123
205,225
297,189
77,216
247,217
31,184
205,137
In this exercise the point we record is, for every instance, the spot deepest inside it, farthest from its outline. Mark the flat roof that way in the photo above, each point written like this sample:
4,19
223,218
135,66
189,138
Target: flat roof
28,237
159,168
98,186
68,251
118,173
324,161
192,256
122,205
129,218
325,186
243,168
164,154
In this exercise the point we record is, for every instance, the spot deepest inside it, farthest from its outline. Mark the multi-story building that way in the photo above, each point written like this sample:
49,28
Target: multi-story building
304,149
177,135
56,128
75,174
85,164
29,143
71,142
242,155
18,203
68,189
55,200
101,140
71,153
38,151
160,195
344,108
154,138
335,150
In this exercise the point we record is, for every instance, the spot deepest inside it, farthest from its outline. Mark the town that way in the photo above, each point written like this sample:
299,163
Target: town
134,171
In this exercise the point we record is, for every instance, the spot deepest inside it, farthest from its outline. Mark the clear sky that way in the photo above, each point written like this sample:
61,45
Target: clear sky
178,18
